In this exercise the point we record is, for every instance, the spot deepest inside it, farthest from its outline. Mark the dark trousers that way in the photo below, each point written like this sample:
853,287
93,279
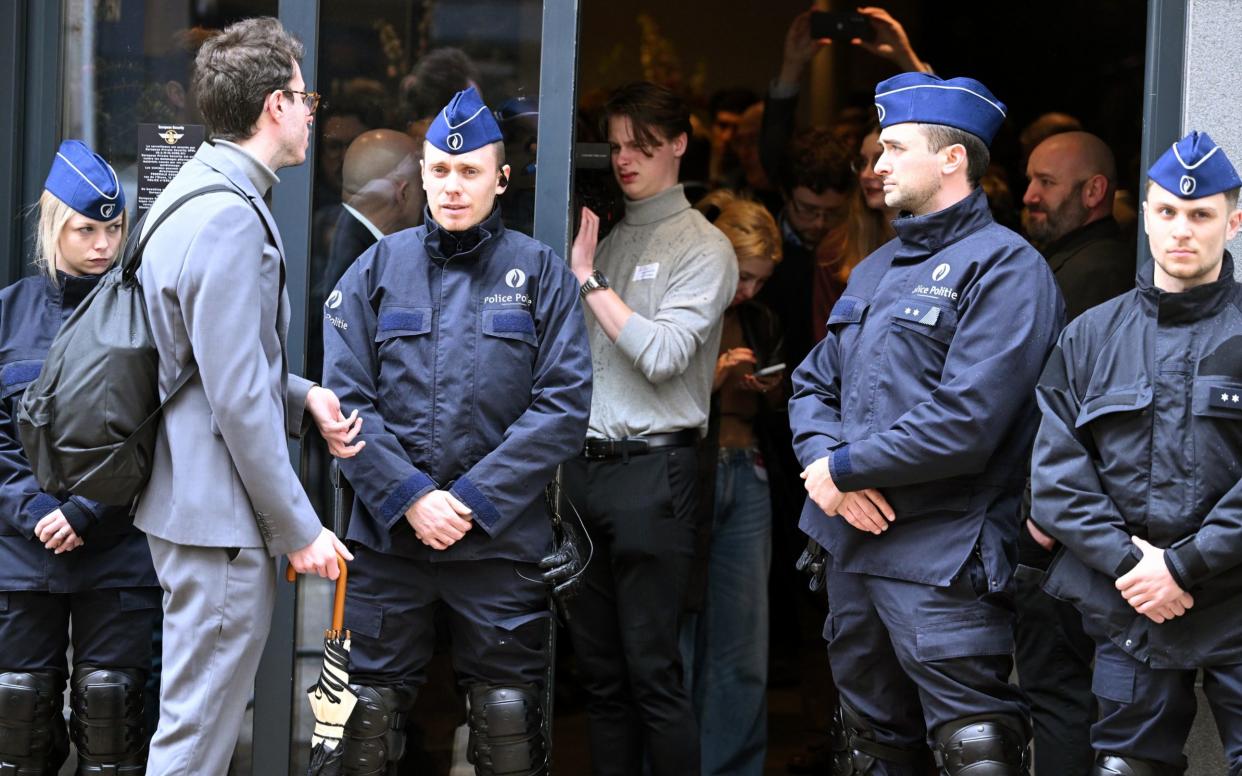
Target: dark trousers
111,629
1053,655
625,622
1147,712
497,613
912,657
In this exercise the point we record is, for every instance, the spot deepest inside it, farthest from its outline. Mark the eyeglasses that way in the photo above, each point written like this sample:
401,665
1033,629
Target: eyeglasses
309,99
861,163
812,213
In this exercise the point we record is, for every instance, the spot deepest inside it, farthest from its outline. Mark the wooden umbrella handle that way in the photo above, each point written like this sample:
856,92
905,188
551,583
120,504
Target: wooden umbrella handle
338,601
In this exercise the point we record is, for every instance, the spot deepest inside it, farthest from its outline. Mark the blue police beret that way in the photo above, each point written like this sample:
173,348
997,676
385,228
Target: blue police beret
1195,167
963,103
464,125
85,182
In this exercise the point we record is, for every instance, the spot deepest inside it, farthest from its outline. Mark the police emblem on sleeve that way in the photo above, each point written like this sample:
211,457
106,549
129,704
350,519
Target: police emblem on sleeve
941,272
1187,185
515,278
106,210
454,141
334,300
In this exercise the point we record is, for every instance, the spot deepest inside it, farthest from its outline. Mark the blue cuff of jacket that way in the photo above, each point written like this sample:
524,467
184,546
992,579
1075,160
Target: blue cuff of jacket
484,512
41,506
840,466
1186,564
412,489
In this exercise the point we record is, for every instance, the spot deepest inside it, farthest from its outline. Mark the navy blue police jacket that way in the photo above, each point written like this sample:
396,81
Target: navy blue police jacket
114,553
923,388
471,370
1142,436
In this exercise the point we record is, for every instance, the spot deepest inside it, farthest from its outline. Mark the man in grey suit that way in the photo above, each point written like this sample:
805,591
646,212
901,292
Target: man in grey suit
223,500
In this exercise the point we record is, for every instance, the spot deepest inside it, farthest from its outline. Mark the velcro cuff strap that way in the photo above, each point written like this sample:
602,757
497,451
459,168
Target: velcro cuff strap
79,519
413,488
472,497
1186,563
839,463
42,505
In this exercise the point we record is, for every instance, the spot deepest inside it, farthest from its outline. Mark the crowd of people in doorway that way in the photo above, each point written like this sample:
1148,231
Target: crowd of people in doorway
1005,446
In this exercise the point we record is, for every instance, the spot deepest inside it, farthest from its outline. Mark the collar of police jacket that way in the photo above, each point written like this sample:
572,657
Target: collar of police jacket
922,236
1199,302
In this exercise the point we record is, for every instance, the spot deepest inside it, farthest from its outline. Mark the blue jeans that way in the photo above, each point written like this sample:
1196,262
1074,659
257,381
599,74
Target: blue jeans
725,646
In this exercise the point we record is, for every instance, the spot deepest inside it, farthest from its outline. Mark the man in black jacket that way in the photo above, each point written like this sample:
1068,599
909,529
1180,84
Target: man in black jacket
1136,472
1069,215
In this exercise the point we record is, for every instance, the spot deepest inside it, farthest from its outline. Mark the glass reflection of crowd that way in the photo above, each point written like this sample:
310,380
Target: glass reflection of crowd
800,208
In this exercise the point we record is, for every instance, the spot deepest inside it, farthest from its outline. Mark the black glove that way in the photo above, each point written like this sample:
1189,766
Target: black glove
813,563
562,568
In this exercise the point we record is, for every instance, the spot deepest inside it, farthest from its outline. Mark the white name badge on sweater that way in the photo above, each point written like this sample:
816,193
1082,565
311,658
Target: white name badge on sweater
647,271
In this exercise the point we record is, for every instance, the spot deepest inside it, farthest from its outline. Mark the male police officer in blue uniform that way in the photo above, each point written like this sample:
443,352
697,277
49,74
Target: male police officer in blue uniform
1137,472
465,345
914,418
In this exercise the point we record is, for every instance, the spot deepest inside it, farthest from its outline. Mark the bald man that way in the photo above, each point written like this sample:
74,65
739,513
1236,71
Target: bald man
1068,215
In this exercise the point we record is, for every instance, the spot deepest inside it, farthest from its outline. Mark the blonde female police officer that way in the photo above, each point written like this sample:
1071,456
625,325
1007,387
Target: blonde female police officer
64,559
463,346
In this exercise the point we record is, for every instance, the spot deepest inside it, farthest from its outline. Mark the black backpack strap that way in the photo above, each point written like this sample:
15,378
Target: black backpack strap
132,260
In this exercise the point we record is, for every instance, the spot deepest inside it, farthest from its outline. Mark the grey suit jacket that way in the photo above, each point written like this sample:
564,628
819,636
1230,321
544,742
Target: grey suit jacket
211,278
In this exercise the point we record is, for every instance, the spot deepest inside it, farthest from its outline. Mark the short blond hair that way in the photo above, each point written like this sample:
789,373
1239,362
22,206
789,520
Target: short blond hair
53,215
749,226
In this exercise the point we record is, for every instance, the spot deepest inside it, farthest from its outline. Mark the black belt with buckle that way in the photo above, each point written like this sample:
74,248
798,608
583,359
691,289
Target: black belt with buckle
597,448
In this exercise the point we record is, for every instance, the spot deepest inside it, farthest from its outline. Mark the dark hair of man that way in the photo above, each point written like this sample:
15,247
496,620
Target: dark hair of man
439,75
978,158
656,114
735,100
817,160
236,70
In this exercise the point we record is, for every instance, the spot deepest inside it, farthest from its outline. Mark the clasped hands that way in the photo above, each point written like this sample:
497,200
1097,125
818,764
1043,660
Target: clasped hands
439,520
867,509
1150,588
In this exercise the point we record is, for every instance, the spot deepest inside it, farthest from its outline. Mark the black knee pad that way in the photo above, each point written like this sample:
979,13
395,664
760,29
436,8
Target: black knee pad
107,721
33,741
1108,764
854,748
986,745
375,733
506,727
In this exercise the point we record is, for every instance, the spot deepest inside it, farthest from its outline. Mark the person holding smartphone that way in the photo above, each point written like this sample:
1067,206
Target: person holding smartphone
725,644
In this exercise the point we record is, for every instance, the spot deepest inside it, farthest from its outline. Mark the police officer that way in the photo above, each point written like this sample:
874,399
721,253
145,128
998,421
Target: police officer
914,418
464,346
66,560
1136,472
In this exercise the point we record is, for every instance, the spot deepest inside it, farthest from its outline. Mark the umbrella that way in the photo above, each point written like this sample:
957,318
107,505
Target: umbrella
331,699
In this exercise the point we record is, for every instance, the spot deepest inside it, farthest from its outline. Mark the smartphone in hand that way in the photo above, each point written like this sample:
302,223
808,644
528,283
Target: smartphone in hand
842,27
775,369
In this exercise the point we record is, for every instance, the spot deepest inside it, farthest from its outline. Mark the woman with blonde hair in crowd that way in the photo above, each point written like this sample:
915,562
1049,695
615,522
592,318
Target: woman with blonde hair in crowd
65,560
725,645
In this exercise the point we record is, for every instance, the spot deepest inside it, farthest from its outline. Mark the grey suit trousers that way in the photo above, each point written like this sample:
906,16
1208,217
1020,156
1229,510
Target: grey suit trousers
217,614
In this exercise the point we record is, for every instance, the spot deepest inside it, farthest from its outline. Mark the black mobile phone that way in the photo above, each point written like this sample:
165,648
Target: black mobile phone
841,26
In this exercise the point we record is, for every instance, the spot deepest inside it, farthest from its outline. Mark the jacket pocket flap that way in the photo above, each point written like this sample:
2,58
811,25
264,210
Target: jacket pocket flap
510,324
16,375
848,309
1119,401
926,318
402,321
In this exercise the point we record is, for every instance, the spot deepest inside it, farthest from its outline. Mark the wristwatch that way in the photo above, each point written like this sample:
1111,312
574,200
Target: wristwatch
594,282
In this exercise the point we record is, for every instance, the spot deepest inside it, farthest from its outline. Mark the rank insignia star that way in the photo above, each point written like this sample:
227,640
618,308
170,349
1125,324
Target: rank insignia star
1235,398
907,311
1224,397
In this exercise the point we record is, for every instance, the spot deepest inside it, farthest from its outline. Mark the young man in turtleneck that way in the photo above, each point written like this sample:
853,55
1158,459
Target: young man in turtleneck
655,293
1136,473
463,344
914,418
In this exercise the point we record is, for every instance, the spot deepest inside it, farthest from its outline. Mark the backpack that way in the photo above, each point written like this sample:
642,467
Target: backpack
88,423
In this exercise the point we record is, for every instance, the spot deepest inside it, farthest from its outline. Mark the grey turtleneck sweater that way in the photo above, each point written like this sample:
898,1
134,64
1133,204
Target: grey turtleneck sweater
677,273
